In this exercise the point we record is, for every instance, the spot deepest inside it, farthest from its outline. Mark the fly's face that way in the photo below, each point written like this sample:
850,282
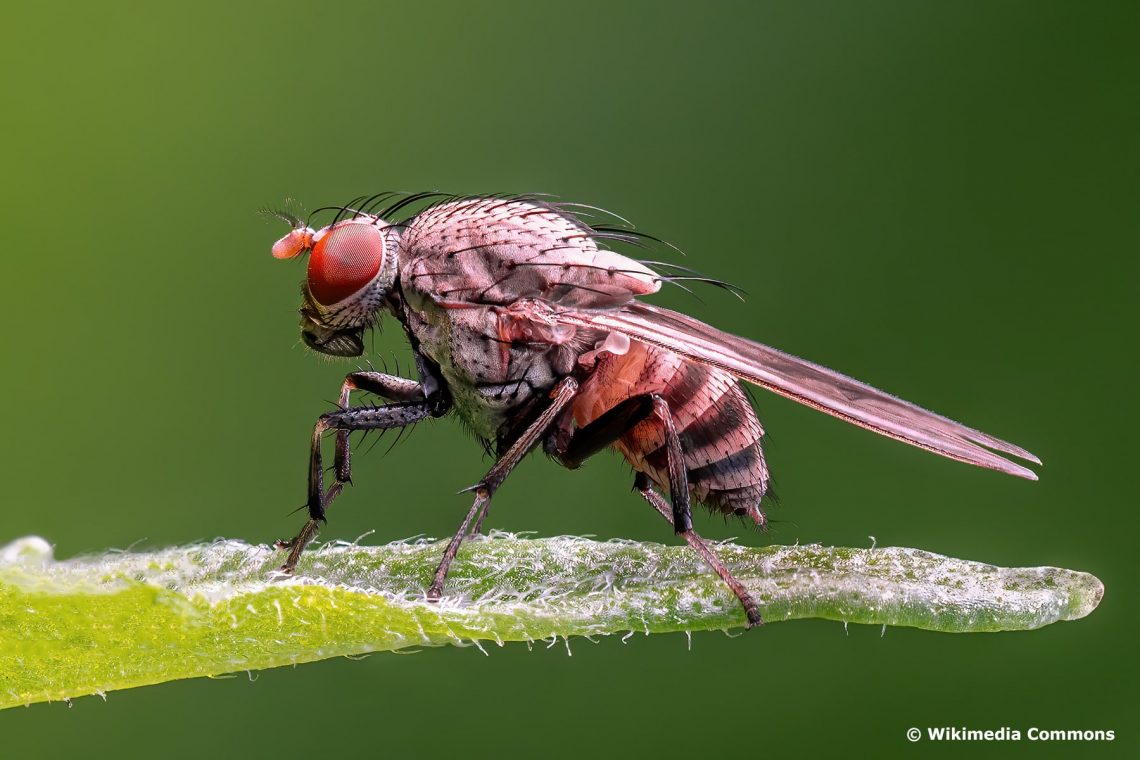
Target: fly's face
352,268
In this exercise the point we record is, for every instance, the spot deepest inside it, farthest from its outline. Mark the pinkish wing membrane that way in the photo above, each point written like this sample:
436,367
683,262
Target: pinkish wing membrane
808,383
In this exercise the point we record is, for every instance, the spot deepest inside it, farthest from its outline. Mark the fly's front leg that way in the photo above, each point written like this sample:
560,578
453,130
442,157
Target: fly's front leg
561,396
394,415
388,387
398,414
385,386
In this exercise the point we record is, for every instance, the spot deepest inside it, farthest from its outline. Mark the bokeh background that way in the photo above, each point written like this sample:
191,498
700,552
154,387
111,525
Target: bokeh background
940,199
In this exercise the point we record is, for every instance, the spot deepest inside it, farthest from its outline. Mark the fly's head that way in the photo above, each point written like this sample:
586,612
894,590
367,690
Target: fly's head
352,269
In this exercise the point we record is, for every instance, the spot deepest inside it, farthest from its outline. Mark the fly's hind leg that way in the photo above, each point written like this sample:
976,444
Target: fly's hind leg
410,407
571,448
751,611
561,396
680,513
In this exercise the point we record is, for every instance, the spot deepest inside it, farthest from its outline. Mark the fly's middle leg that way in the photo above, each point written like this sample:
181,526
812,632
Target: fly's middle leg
561,397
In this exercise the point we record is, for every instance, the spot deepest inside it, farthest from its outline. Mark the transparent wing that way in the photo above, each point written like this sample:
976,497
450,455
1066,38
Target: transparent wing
808,383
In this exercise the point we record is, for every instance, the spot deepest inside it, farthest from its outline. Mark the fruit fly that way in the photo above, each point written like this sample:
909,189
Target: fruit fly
527,326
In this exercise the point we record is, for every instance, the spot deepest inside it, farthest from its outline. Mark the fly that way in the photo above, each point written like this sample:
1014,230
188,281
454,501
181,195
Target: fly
524,324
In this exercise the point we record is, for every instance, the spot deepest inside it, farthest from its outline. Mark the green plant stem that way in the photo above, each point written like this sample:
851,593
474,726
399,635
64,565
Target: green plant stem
117,620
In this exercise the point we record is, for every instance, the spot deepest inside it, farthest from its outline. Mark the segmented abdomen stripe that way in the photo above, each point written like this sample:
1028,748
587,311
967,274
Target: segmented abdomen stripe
737,470
720,437
693,391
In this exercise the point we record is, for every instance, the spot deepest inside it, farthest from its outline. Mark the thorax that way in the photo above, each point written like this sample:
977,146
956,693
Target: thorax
495,380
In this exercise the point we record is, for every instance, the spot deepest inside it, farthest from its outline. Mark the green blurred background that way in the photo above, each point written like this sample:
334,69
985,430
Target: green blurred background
940,199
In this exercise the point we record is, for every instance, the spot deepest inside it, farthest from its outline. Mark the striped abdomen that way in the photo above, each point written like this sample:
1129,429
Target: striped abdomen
720,434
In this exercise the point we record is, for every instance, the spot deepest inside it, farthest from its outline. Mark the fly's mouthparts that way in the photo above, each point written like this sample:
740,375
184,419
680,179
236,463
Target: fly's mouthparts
349,343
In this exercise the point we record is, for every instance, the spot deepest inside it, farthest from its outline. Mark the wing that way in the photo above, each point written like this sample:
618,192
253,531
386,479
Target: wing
808,383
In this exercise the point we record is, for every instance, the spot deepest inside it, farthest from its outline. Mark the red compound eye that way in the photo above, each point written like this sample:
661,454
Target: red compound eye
344,260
